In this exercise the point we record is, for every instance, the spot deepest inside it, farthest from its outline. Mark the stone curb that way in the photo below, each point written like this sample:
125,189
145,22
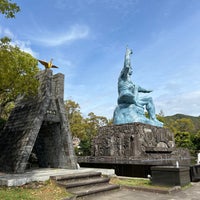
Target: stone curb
146,189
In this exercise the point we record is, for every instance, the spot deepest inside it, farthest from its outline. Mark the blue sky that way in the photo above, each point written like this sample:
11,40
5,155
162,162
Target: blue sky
88,38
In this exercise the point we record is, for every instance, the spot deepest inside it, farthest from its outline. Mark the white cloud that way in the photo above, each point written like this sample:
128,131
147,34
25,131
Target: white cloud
185,103
23,45
76,32
6,32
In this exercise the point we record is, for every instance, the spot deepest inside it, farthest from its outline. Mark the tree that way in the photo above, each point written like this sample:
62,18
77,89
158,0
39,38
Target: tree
196,140
161,113
72,108
92,124
183,129
161,118
83,128
182,125
76,121
17,75
182,139
8,9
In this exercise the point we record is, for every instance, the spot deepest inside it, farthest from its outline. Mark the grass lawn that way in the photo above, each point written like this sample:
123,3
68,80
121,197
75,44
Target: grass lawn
34,191
136,182
141,183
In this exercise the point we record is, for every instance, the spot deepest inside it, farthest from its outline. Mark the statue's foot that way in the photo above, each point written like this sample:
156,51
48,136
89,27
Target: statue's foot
157,123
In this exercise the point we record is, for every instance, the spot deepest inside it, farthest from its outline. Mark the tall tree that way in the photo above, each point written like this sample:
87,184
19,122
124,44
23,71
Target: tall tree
8,8
72,108
183,129
92,124
17,74
83,128
76,121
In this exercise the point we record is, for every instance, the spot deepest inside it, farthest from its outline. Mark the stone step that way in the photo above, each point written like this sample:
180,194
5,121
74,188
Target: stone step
83,182
91,190
78,176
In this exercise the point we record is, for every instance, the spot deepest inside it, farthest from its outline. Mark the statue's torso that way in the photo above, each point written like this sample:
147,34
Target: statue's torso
126,90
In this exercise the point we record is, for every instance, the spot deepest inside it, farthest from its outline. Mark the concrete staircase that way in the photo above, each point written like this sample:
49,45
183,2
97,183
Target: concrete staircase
83,184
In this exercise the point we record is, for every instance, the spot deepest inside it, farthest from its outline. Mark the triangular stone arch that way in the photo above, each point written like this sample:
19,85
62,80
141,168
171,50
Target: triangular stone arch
36,122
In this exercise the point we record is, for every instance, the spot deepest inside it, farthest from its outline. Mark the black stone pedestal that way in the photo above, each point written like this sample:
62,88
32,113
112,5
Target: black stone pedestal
170,175
195,172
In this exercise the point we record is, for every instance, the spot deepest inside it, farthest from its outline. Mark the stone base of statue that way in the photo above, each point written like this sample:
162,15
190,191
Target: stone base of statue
131,149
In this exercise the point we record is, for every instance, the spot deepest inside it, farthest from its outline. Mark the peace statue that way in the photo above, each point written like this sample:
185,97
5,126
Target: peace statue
131,106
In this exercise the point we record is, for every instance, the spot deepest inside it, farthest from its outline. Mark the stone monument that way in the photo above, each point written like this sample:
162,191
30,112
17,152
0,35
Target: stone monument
134,143
38,125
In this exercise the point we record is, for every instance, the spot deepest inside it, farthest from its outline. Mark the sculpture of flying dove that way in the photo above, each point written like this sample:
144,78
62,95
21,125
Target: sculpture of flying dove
48,65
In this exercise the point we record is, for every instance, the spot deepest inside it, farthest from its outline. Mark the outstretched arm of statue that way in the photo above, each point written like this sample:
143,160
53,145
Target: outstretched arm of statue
140,89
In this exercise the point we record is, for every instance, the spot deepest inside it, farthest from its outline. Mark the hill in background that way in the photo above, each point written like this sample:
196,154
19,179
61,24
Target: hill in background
195,120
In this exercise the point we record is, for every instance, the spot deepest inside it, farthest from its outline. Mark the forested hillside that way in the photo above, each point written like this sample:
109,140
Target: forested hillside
195,120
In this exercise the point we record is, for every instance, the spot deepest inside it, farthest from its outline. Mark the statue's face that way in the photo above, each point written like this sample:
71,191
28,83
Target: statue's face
130,71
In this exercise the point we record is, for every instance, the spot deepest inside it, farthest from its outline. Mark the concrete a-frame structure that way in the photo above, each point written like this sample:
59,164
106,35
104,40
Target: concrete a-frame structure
38,124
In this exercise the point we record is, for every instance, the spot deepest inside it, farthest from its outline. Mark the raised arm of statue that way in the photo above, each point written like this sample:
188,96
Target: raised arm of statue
124,73
127,69
127,59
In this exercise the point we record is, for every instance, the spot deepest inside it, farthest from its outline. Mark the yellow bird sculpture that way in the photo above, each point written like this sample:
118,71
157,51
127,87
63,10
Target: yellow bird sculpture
48,65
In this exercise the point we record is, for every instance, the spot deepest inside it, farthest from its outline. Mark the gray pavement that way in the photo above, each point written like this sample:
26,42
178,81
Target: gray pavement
43,174
192,193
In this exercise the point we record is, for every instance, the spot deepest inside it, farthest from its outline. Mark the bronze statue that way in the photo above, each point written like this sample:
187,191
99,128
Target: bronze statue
130,104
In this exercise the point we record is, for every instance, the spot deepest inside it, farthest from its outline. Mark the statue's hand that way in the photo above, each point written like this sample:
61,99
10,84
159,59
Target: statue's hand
148,91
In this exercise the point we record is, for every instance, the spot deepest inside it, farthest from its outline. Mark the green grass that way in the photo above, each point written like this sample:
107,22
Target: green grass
131,182
141,183
34,191
137,182
15,193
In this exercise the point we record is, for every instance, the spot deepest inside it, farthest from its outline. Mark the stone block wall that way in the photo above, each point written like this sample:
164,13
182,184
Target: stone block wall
131,140
136,143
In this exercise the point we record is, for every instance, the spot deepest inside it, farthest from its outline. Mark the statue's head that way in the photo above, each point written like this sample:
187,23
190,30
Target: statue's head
128,51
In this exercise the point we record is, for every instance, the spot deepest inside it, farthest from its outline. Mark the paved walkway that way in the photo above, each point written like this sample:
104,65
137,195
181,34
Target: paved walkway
43,174
192,193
